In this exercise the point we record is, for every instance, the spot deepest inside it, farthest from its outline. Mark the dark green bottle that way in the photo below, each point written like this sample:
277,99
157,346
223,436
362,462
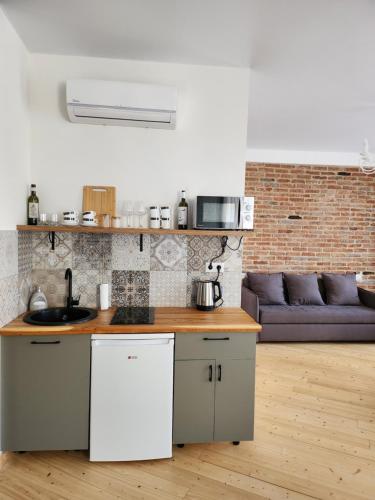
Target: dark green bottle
32,207
182,212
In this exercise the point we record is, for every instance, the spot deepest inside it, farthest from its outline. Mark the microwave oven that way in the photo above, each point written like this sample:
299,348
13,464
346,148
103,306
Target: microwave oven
224,212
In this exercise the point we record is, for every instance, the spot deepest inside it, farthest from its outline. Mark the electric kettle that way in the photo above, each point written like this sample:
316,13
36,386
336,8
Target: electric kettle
206,297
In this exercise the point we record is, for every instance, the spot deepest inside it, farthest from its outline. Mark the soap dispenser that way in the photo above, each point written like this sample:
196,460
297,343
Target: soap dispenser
38,300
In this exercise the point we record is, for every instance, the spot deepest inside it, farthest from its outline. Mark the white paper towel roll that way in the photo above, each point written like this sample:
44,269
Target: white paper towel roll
104,296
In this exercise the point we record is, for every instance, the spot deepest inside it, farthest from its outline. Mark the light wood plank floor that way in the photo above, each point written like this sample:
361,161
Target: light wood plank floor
315,438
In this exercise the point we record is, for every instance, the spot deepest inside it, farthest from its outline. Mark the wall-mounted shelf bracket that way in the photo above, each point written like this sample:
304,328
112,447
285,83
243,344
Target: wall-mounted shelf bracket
52,239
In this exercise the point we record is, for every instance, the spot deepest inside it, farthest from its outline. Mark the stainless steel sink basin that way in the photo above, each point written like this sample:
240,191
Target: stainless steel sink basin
57,316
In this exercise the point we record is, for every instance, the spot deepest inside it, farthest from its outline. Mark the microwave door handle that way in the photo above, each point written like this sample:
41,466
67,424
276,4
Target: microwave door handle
240,213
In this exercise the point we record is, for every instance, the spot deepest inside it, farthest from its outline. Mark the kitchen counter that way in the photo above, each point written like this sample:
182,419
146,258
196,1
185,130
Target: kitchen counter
167,320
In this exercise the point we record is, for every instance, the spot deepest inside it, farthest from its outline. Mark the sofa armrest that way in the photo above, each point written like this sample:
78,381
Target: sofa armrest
366,297
250,302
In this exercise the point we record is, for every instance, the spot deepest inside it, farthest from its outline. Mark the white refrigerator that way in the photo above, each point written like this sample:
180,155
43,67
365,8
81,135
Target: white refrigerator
131,396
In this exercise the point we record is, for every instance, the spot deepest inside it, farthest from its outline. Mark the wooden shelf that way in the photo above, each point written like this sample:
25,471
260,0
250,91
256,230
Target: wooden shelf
132,230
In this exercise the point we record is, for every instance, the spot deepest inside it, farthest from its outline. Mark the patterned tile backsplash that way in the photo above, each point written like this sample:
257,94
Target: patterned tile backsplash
168,253
8,254
164,274
92,251
13,254
126,254
9,297
130,288
168,288
45,258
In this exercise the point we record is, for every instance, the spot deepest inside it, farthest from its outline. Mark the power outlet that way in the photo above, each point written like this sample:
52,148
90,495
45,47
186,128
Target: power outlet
214,267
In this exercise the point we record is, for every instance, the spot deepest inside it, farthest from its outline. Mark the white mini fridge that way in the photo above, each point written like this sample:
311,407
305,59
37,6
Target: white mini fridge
131,396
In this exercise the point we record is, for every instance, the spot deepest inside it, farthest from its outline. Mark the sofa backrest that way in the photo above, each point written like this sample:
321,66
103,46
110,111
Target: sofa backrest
320,284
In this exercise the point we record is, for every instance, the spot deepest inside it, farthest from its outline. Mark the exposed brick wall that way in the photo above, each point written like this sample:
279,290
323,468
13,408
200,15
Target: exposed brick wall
311,218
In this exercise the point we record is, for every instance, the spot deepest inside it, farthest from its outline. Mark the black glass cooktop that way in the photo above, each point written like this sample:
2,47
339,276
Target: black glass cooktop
133,316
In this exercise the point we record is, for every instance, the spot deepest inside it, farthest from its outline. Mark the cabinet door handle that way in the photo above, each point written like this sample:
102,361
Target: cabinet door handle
219,373
41,342
210,373
215,338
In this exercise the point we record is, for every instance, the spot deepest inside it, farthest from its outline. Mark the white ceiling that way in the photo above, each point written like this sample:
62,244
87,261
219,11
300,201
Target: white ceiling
313,61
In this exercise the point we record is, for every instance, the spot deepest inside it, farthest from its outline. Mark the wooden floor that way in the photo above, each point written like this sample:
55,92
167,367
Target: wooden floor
315,438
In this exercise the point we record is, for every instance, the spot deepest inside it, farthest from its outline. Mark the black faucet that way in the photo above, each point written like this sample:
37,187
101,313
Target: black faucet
70,301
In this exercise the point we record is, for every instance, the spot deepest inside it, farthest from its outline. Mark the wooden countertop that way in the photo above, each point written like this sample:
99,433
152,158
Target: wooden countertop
167,320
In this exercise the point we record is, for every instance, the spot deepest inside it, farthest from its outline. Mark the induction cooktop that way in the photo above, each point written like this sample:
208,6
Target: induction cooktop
133,316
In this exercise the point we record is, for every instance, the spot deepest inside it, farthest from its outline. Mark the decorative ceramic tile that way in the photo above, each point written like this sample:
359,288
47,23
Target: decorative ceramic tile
168,253
8,253
45,258
130,288
168,288
53,284
25,288
25,252
92,251
231,284
126,254
201,249
85,284
8,299
191,285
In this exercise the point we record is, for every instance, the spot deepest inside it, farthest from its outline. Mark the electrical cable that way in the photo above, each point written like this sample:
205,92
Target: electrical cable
224,242
218,273
224,245
235,249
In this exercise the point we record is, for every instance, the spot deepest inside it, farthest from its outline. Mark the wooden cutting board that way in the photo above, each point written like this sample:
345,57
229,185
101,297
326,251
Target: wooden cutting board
102,199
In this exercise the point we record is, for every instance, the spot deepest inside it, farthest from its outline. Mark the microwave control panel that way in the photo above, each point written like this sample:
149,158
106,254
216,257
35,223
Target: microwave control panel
248,212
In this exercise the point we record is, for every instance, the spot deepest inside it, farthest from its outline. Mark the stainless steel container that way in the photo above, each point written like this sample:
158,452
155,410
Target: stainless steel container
206,297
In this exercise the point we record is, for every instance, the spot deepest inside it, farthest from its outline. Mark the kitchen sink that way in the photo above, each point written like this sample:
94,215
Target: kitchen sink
56,316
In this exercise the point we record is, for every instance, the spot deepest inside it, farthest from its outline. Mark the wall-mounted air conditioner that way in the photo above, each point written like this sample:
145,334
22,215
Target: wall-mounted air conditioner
103,102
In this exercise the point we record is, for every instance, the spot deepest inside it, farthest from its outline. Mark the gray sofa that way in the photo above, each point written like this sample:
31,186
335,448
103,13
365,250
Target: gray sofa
287,323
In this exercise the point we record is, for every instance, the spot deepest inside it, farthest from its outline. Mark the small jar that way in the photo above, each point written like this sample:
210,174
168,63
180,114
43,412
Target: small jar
154,211
104,220
165,223
154,223
165,212
116,221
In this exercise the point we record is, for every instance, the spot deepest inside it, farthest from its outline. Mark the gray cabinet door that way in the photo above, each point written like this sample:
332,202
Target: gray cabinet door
46,382
234,400
194,395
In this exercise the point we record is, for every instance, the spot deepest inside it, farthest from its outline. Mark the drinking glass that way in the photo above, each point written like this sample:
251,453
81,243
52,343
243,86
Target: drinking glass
128,212
140,211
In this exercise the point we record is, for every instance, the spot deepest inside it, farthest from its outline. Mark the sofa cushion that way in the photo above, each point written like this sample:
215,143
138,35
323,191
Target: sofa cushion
303,289
316,314
268,287
341,289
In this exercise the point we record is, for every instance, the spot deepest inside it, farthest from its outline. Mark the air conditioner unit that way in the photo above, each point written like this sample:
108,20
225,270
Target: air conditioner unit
103,102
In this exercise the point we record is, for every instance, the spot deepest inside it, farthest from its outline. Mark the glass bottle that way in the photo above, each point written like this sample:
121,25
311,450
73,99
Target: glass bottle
182,212
32,207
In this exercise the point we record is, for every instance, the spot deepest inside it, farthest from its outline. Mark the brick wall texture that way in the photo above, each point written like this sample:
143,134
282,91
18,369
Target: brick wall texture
311,218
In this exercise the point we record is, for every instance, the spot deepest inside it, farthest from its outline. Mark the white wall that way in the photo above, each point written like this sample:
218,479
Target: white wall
206,154
14,127
303,157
